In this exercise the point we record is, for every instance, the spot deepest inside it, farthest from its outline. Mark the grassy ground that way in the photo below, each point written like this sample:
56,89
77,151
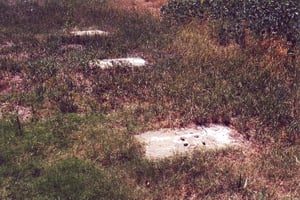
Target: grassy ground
76,142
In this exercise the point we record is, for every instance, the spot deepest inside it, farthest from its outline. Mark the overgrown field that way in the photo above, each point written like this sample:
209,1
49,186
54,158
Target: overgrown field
66,129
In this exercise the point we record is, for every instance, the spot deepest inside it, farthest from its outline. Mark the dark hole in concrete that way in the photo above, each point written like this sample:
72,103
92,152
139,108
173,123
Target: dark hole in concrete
147,183
204,143
196,136
185,144
182,139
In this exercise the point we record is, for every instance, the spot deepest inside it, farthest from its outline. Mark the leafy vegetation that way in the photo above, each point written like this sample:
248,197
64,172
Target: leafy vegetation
264,18
208,64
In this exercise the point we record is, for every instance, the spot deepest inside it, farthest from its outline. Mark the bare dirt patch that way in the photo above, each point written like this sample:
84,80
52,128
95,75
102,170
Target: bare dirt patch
6,45
10,82
23,112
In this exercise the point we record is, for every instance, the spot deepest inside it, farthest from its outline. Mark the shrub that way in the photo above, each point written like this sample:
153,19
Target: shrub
181,11
279,18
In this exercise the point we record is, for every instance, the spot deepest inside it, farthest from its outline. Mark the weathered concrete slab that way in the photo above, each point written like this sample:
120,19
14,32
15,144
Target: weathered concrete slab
89,33
168,142
121,62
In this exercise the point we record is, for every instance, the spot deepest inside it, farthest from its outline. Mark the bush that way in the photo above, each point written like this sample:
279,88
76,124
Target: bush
181,11
279,18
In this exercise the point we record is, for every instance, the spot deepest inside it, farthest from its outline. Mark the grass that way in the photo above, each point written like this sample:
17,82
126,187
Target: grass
78,142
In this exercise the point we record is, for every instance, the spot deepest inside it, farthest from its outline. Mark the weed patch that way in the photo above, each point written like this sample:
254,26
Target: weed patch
75,179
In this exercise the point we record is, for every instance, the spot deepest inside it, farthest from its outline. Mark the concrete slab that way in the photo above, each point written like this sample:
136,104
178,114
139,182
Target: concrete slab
121,62
89,33
169,142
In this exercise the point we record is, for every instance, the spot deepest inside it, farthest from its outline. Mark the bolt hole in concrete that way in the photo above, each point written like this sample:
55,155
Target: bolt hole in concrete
165,143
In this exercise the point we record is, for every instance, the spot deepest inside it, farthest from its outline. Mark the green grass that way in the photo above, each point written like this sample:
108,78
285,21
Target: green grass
79,142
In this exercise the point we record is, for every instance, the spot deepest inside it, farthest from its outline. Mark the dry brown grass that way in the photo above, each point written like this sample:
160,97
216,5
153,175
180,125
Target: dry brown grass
152,6
195,43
